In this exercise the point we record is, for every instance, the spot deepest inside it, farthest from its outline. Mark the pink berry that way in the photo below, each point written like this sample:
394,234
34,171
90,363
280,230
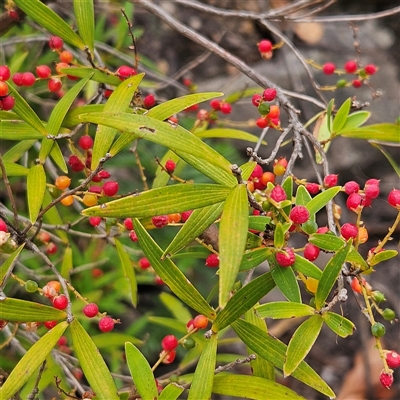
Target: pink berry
50,324
4,73
94,221
106,324
367,201
170,166
278,194
203,115
311,252
215,104
322,230
350,66
28,79
393,359
190,325
353,202
328,68
370,69
3,226
286,257
17,78
212,261
257,172
54,85
386,380
90,310
349,231
43,71
185,215
394,198
60,302
149,101
125,72
372,181
95,189
170,342
312,188
356,83
133,236
144,263
128,223
226,108
75,163
7,103
371,191
160,221
265,46
331,180
103,174
269,94
299,214
256,100
351,187
110,188
56,43
85,142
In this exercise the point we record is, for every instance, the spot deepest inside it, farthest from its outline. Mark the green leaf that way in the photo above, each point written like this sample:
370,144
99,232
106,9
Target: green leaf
141,372
247,169
13,169
129,272
84,14
92,363
10,263
170,323
36,186
302,196
175,307
251,387
340,325
341,116
196,224
119,100
31,361
273,350
287,186
243,300
98,76
232,240
114,339
171,275
329,114
226,133
379,132
17,310
52,216
18,150
167,109
202,383
287,282
383,256
357,260
255,257
330,275
355,120
171,392
322,199
49,20
279,234
391,159
67,263
58,157
301,342
258,222
160,201
284,309
306,267
18,130
327,241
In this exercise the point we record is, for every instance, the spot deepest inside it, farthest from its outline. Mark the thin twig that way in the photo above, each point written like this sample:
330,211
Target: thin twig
35,389
9,190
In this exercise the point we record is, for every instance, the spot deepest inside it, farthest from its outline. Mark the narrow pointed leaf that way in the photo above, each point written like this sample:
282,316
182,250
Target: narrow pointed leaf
48,19
330,275
98,76
287,282
341,116
247,169
52,216
390,158
10,263
279,234
252,387
329,114
92,363
232,240
171,392
357,260
19,130
307,267
243,300
255,257
301,342
36,186
58,157
258,222
355,120
160,201
170,323
18,150
13,169
379,132
67,264
342,326
273,350
203,378
302,196
287,186
128,269
327,241
175,307
84,14
121,142
171,274
322,131
322,199
383,256
227,133
284,309
196,224
31,361
141,373
114,339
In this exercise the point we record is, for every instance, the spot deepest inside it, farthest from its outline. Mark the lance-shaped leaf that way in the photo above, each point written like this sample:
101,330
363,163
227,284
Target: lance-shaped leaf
67,263
322,199
160,201
31,361
8,265
327,241
171,392
258,222
279,234
330,274
284,309
13,169
92,363
302,196
18,150
167,109
342,326
141,373
203,378
17,310
379,132
227,133
341,116
383,256
58,157
252,387
98,76
232,240
287,186
301,342
355,120
52,216
49,20
390,158
170,323
84,14
118,101
247,169
19,130
357,260
273,350
243,300
171,274
36,186
287,282
306,267
175,307
129,272
254,258
114,339
196,224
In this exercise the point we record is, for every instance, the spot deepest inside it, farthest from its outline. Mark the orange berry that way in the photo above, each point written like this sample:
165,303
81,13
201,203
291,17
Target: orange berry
355,284
67,201
267,177
174,218
66,57
200,321
312,285
62,182
60,66
362,235
89,200
250,186
274,112
56,285
3,89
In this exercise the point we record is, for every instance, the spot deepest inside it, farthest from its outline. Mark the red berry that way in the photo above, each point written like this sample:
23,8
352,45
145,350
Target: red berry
95,189
75,163
356,83
17,78
144,263
7,103
330,180
257,172
43,71
265,46
4,73
3,226
159,281
299,214
133,236
311,252
367,201
256,100
106,324
149,101
371,191
215,104
60,302
278,194
170,166
386,380
269,94
190,326
107,93
128,223
286,257
85,142
351,187
50,324
54,85
393,359
51,248
394,198
94,221
353,202
349,231
103,174
110,188
355,284
372,181
56,43
185,215
170,342
350,66
312,188
212,261
328,68
262,122
160,221
370,69
62,341
90,310
125,72
200,321
226,108
169,358
28,79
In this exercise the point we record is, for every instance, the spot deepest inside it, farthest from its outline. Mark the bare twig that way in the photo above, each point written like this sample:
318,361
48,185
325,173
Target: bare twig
35,389
9,191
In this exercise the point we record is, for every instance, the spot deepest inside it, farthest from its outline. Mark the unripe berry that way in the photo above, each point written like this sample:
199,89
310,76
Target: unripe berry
353,202
274,112
299,214
185,215
50,324
312,188
174,218
128,223
66,57
256,99
331,180
265,46
349,231
388,314
370,69
17,78
264,108
90,310
328,68
378,296
170,166
269,94
3,226
144,263
169,342
350,66
54,85
394,198
355,284
386,379
89,200
43,71
200,321
311,252
351,187
278,194
56,43
160,221
85,142
95,221
110,188
28,79
149,101
106,324
7,103
226,108
5,73
392,359
286,257
31,286
60,302
212,261
378,329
